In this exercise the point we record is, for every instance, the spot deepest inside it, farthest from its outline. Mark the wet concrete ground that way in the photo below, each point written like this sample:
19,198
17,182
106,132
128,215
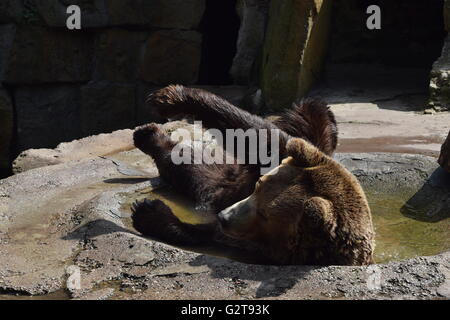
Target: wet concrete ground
383,109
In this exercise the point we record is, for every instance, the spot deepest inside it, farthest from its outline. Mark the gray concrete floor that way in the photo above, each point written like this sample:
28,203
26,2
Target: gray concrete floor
381,109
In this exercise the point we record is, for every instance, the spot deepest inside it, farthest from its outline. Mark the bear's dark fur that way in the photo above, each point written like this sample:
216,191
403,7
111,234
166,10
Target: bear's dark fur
217,187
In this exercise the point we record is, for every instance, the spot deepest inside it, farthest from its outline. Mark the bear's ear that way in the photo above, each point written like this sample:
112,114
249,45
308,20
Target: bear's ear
304,154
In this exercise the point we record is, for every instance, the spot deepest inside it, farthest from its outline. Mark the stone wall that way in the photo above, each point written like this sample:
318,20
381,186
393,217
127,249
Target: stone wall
57,85
64,84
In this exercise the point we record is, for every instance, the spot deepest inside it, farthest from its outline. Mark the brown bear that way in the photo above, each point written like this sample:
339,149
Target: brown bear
309,210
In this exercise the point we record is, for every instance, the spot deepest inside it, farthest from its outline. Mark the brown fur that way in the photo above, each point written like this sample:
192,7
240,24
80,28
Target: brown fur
312,212
312,120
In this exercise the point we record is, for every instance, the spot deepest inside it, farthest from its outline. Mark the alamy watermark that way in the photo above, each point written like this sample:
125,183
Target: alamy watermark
73,282
73,21
374,21
253,146
374,277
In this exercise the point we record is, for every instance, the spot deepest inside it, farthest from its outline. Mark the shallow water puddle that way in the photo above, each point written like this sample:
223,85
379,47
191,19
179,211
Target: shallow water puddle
181,206
399,236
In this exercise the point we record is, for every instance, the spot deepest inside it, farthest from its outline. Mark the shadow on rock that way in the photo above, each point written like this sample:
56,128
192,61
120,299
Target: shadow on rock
432,202
274,280
126,180
96,228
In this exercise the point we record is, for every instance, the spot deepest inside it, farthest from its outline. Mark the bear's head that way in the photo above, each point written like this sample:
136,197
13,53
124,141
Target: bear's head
308,210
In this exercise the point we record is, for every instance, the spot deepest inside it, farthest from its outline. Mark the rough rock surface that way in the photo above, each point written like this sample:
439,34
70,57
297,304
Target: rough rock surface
118,62
294,49
40,55
106,106
444,158
46,115
253,15
72,218
172,57
90,147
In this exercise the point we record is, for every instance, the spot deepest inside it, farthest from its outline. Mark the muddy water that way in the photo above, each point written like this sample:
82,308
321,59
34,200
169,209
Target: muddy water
398,236
181,206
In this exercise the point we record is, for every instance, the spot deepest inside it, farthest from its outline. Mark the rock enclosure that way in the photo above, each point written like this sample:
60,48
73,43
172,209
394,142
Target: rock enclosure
67,213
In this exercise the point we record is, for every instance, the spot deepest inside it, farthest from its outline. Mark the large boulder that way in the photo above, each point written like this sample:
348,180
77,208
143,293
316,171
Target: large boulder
172,56
253,15
6,129
46,115
444,158
107,106
294,49
40,55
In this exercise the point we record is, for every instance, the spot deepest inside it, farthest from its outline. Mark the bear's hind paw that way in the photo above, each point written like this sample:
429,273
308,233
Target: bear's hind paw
152,217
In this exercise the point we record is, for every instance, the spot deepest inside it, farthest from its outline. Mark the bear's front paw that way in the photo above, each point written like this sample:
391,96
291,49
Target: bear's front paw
152,217
168,101
144,135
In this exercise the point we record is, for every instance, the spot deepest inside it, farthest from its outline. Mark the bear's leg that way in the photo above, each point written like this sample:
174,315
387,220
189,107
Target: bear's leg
212,110
155,219
152,141
213,186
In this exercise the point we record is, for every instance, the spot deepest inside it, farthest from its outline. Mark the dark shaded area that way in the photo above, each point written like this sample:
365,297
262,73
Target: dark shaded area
399,56
272,283
126,180
411,34
220,28
5,173
94,229
431,203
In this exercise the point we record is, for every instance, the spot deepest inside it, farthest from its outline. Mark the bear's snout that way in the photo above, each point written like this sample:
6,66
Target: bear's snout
238,219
